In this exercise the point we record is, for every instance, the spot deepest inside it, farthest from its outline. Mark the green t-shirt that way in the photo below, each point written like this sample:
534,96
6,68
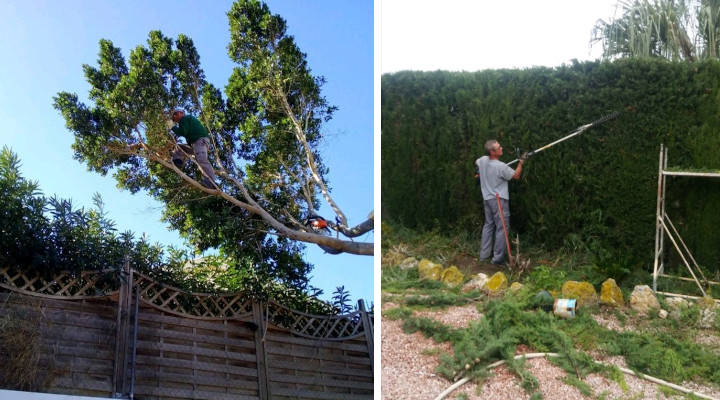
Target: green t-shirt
190,128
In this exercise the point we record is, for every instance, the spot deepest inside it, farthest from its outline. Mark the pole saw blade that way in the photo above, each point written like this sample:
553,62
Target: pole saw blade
576,132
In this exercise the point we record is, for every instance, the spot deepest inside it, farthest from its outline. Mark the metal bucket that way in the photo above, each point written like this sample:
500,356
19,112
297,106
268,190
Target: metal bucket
565,308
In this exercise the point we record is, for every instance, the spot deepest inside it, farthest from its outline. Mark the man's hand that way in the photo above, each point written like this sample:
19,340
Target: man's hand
524,156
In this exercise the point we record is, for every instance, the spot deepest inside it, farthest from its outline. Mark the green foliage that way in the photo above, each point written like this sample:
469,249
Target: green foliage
665,356
436,300
397,313
542,277
600,186
583,387
395,279
341,300
50,234
431,329
252,126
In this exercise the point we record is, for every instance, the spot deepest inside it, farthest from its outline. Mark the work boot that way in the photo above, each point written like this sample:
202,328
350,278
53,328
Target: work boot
178,162
500,263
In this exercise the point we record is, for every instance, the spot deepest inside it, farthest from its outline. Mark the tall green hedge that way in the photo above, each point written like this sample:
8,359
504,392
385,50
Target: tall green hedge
600,186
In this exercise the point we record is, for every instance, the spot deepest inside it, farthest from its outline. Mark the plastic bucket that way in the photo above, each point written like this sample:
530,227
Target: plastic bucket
565,308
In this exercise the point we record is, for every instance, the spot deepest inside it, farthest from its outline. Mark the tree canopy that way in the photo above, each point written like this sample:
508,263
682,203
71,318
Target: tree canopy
265,130
679,30
51,234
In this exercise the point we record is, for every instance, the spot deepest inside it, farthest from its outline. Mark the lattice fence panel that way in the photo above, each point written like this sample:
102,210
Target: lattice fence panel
195,305
66,285
335,327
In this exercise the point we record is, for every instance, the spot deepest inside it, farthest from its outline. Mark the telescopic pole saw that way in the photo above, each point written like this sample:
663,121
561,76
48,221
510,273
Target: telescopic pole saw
576,132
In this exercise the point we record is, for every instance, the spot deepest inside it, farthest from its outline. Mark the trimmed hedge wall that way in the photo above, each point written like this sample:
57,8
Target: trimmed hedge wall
600,186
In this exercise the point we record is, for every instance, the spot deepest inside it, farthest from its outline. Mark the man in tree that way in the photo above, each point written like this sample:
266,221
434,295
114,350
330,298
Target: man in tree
494,177
198,143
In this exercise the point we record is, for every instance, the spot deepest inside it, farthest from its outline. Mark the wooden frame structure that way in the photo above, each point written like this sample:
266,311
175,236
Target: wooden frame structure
664,226
123,334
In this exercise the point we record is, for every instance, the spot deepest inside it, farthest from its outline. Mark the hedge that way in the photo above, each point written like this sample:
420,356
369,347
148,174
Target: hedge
600,186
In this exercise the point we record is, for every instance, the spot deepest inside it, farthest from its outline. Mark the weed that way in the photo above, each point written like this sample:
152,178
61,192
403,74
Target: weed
618,376
396,313
395,279
432,351
536,396
668,392
542,277
438,299
583,387
462,396
431,329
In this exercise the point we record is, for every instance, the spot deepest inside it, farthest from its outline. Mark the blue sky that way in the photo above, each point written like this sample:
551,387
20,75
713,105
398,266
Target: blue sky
46,42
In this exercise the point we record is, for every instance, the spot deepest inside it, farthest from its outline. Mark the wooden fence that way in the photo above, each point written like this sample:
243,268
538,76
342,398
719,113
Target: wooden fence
128,335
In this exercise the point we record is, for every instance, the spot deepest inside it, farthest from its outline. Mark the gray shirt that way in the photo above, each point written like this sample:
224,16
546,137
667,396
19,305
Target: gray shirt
494,177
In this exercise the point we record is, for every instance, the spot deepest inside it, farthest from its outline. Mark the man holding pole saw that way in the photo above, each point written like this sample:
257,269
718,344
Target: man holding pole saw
494,177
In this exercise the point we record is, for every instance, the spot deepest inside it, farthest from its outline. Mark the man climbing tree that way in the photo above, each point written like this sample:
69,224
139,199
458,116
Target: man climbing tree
198,140
264,132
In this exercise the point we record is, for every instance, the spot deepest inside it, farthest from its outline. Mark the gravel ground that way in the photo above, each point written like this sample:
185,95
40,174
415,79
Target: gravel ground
459,317
409,361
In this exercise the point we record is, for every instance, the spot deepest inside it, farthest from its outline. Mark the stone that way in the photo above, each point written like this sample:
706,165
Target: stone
676,305
583,292
476,283
610,294
452,276
516,286
662,314
643,299
409,263
497,283
708,312
429,270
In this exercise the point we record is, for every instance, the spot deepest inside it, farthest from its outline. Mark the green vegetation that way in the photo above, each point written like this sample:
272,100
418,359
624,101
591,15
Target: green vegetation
266,127
48,234
662,348
597,190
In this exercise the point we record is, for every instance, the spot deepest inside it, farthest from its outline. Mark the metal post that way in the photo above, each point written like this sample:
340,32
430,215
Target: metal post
368,329
661,270
657,220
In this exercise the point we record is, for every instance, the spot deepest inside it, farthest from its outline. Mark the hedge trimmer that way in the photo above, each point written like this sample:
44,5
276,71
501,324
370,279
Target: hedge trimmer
576,132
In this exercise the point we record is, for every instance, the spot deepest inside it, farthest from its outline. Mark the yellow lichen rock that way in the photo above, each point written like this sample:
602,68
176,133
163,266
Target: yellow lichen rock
610,294
429,270
583,292
452,276
497,283
642,299
516,286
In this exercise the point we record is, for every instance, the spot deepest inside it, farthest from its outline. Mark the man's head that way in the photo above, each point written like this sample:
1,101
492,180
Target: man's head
493,148
177,114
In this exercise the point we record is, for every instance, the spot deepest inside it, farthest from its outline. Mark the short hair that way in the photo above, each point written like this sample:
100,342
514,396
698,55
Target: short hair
178,110
490,146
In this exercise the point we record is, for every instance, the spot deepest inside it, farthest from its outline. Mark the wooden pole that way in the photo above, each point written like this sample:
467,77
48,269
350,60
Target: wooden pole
263,386
502,219
121,330
368,329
